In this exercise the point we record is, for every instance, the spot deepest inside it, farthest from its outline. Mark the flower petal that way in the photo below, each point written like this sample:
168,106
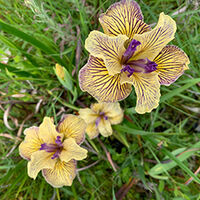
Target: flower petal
154,41
147,88
63,174
73,127
114,112
31,143
171,62
72,151
88,115
105,128
110,49
92,130
40,160
94,79
124,17
47,131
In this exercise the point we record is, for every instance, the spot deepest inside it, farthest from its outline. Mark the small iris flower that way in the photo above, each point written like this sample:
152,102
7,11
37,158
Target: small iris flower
130,53
54,150
100,117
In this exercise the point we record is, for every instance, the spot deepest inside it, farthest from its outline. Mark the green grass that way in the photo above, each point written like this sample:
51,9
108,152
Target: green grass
47,33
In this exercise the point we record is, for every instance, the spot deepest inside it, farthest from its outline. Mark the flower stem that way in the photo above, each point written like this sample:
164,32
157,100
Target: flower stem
58,194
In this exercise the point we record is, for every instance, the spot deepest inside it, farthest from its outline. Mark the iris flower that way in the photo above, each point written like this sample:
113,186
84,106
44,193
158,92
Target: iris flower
130,53
100,117
54,150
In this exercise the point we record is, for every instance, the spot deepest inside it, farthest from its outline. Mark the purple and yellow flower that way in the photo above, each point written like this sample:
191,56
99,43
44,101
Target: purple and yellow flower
54,150
100,117
130,53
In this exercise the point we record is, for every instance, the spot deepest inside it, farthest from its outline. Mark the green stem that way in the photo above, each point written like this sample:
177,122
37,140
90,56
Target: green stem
58,194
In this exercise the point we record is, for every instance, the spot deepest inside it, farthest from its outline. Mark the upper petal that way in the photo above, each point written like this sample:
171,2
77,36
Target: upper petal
110,49
47,131
73,127
94,79
72,151
40,160
124,17
147,88
171,62
62,174
31,143
105,128
154,41
88,115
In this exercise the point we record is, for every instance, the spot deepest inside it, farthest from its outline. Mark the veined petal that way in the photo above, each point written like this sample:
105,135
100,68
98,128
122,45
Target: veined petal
94,79
92,130
124,17
73,127
171,62
31,144
88,115
147,88
62,174
105,128
47,131
110,49
114,112
154,41
40,160
72,151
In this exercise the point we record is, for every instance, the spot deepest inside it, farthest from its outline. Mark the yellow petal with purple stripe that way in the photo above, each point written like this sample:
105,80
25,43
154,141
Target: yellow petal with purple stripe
124,17
154,41
94,79
105,128
147,88
72,126
110,49
40,160
47,131
92,130
63,174
31,144
171,62
71,150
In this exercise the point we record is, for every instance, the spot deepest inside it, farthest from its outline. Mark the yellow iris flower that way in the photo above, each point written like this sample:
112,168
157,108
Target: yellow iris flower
100,117
54,150
130,53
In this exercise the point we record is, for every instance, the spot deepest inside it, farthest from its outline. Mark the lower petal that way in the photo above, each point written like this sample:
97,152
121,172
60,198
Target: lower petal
171,62
31,143
105,128
147,88
92,130
94,79
63,174
72,151
40,160
73,127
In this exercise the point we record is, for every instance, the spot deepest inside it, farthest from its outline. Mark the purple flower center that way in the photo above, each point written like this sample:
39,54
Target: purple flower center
141,65
101,115
130,50
56,148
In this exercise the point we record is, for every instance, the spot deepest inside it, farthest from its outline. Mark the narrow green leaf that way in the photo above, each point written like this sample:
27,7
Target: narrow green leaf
179,90
159,168
12,30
